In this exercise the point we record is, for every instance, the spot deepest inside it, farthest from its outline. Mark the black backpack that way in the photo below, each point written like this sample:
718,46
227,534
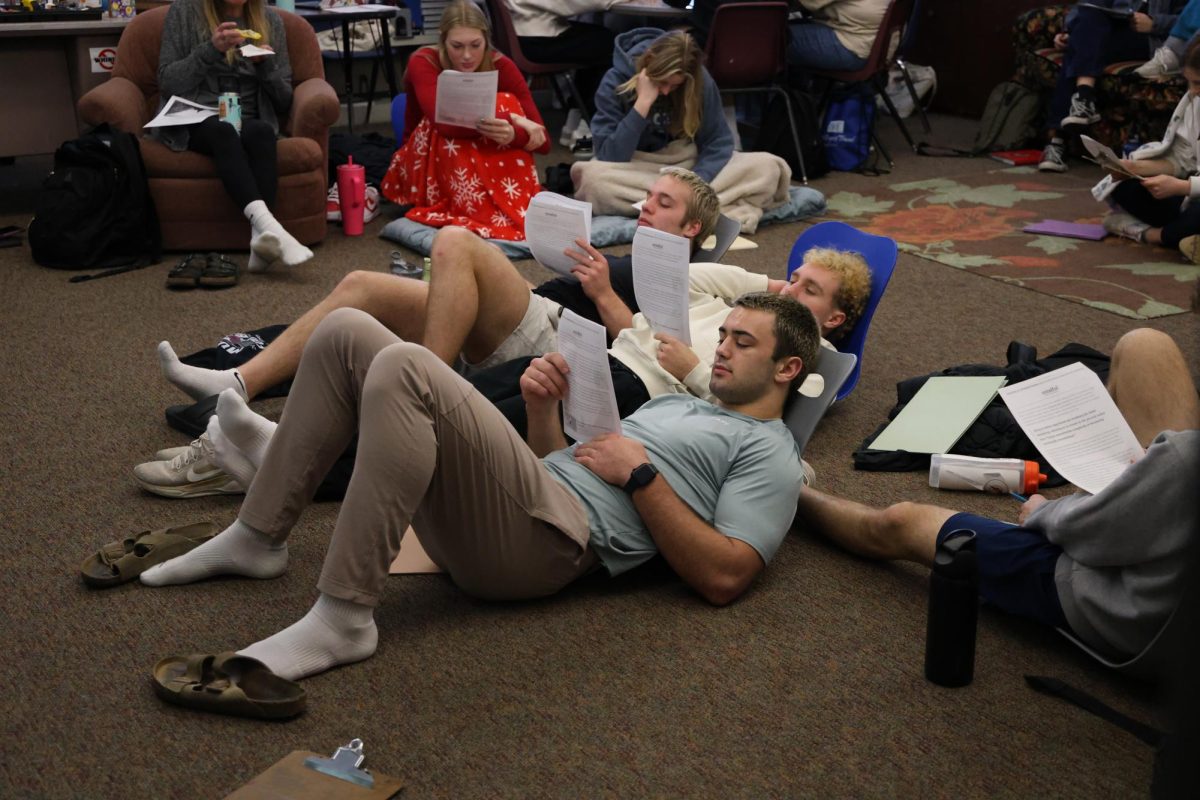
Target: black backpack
775,135
95,209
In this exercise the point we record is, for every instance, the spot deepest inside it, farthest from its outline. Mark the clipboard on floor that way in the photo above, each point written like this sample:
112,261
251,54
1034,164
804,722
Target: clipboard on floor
290,779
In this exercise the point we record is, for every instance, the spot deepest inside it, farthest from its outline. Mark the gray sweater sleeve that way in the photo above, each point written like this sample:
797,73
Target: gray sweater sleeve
275,72
1146,514
616,126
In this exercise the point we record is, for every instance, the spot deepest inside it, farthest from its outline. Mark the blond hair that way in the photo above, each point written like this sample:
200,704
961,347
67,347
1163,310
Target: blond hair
465,14
854,282
702,204
256,20
674,53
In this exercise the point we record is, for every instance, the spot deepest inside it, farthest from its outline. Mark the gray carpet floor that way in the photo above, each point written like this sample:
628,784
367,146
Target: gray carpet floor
809,686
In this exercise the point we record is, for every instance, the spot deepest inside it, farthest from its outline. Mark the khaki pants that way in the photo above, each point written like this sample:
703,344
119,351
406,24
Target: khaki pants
431,452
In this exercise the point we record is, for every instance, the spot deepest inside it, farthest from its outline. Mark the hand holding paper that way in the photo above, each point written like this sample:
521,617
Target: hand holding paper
553,223
464,98
1072,421
590,408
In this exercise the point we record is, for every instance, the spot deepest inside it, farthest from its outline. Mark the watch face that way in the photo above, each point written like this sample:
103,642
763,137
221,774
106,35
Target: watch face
641,475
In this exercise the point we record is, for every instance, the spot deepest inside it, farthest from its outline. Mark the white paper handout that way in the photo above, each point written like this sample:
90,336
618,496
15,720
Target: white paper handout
1073,422
660,280
552,224
464,98
178,111
591,405
251,50
1103,155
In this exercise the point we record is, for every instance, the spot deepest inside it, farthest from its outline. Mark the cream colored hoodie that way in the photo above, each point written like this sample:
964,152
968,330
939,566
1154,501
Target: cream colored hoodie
549,17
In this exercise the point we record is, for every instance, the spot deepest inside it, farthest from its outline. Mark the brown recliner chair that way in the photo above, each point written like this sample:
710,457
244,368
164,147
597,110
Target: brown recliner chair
194,210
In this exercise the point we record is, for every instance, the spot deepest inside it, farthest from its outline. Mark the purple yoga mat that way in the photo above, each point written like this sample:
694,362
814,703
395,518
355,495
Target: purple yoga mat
1075,230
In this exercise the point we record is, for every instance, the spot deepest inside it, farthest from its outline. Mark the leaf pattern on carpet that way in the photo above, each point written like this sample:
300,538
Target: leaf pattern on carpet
974,222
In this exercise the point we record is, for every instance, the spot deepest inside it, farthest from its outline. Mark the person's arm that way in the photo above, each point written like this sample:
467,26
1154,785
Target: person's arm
422,75
725,281
720,568
182,63
275,72
510,80
616,129
714,140
543,387
591,267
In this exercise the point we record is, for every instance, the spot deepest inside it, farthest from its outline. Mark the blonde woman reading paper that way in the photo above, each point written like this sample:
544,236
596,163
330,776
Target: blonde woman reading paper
479,177
659,107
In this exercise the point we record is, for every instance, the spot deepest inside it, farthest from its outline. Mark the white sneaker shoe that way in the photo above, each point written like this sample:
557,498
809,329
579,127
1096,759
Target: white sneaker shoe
192,473
1162,64
1127,225
568,130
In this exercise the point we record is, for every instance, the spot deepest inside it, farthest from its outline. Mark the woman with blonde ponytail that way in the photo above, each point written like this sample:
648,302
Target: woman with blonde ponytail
658,91
199,60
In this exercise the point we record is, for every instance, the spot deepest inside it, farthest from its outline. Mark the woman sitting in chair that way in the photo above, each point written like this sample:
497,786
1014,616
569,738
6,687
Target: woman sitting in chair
658,91
835,35
199,60
480,178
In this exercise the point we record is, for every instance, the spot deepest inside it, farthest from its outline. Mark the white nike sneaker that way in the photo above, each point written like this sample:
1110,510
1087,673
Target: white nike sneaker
1163,64
192,473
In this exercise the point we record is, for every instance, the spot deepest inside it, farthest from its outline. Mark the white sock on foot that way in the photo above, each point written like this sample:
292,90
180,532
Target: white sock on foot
228,457
333,632
237,550
258,263
270,240
246,430
197,382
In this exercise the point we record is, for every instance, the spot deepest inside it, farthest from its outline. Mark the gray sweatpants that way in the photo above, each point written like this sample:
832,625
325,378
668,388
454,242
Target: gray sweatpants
431,452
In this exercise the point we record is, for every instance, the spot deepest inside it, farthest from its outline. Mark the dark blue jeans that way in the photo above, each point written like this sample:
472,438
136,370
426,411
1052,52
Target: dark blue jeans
1096,40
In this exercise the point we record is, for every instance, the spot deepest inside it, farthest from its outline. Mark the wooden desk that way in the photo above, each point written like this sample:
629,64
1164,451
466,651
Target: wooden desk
49,66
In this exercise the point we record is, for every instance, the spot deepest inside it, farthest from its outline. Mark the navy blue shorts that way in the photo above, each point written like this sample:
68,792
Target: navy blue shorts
1016,567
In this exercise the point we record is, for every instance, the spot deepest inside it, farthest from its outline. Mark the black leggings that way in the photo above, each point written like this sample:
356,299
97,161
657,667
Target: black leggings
1176,222
245,163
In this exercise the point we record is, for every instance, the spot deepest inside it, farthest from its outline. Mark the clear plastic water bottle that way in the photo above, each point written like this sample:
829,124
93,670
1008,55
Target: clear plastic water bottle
953,611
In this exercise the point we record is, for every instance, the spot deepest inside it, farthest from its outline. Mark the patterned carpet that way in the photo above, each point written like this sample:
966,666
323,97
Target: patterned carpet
974,222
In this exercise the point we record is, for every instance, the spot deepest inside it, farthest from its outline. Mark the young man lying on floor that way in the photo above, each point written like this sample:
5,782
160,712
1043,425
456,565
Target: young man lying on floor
712,487
1108,567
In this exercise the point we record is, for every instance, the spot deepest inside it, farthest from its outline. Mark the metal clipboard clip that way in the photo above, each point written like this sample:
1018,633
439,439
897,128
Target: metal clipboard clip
343,764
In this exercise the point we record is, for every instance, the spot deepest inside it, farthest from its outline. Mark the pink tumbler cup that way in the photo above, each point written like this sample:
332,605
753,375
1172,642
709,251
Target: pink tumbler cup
352,195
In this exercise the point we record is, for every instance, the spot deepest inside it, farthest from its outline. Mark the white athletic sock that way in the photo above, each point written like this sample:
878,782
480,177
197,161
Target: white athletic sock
246,430
258,263
228,457
197,382
333,632
270,241
237,550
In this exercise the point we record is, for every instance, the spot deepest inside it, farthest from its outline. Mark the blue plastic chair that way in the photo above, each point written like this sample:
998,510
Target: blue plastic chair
880,253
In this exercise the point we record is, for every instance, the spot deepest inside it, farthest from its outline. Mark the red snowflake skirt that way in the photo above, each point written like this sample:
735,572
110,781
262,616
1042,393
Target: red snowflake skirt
474,183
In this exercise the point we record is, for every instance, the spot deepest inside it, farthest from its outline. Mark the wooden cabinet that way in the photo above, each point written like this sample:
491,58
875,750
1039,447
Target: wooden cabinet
969,44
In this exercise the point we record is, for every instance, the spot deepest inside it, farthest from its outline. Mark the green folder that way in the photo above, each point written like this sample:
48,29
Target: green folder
939,413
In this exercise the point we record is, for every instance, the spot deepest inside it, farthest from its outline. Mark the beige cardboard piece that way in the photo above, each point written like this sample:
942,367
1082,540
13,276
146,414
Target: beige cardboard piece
412,560
289,779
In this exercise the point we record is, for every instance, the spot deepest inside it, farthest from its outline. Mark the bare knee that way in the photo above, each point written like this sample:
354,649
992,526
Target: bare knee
354,289
908,530
1142,343
450,244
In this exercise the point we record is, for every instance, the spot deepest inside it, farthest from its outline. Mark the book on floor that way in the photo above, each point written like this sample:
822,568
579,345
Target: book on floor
939,413
1018,158
1073,230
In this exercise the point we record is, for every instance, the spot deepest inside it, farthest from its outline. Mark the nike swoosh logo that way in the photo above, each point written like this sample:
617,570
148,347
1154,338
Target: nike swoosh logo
193,476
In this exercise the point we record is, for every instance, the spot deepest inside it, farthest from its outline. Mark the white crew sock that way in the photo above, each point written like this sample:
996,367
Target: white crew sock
246,430
333,632
197,382
269,240
258,263
228,457
237,550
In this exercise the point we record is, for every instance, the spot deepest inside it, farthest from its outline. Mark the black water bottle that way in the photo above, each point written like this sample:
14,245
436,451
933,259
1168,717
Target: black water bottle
953,611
